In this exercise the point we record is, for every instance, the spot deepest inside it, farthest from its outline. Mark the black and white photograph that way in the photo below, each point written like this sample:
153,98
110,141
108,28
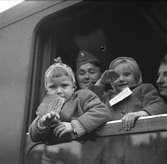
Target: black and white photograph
83,82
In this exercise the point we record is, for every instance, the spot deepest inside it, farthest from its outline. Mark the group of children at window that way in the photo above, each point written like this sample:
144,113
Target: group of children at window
71,115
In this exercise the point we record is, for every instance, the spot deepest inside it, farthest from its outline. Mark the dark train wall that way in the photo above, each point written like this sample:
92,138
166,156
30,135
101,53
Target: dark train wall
108,30
16,39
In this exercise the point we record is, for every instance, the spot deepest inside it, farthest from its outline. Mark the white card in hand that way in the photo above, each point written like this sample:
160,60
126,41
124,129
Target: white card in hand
120,96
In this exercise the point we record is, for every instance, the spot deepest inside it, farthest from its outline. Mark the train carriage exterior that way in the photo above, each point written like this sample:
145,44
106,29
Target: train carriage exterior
33,33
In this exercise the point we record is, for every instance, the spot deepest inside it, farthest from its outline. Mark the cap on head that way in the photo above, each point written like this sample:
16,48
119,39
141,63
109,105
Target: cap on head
85,57
56,67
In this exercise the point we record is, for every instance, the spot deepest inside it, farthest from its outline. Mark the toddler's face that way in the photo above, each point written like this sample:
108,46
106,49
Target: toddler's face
62,86
126,76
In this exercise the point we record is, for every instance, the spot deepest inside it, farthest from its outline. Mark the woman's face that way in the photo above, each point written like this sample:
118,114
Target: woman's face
126,76
87,75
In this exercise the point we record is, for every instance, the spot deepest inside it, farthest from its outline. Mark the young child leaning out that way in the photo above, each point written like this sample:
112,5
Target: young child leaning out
145,100
66,114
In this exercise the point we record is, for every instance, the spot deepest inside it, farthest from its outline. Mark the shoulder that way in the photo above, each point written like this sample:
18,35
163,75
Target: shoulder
85,96
145,88
89,100
85,93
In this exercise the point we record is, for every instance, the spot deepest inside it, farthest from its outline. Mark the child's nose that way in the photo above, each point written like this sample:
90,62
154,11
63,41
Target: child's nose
121,78
59,91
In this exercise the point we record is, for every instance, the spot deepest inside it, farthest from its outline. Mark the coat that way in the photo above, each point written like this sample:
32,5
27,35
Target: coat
144,97
125,149
84,106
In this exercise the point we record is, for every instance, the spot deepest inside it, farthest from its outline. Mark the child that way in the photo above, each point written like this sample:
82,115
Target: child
143,101
66,114
124,72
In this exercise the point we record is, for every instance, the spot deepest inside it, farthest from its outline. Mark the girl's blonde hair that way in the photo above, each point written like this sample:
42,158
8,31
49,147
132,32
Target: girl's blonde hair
132,63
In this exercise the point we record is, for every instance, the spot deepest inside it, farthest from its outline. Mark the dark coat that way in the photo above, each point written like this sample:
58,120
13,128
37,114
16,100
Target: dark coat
84,106
127,149
144,97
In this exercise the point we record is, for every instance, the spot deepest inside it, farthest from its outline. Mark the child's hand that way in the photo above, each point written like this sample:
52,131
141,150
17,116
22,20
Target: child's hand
128,120
49,118
108,77
63,128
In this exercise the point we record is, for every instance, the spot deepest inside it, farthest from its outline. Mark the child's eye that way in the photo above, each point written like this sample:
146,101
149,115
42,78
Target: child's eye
127,74
65,85
52,86
81,72
92,71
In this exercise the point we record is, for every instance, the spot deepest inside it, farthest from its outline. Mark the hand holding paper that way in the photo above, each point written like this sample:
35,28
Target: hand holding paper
120,96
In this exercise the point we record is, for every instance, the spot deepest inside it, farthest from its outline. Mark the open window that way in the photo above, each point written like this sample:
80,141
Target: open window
108,30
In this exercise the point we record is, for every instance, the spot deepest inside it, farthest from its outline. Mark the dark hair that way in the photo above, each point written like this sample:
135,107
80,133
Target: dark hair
164,59
97,64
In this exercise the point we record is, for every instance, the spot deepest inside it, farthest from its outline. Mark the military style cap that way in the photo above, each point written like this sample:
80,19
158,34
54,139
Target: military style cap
85,57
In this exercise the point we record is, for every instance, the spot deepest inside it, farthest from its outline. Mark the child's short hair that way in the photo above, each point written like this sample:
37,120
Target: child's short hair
132,63
59,69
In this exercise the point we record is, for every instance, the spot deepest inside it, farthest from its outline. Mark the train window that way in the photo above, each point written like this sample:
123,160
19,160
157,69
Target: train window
108,30
64,34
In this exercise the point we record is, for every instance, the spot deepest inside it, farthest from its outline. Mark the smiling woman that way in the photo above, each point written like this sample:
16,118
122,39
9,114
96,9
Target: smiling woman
5,5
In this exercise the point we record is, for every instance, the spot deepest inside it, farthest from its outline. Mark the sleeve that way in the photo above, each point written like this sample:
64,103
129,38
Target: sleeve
98,90
37,133
49,103
152,102
95,112
78,129
45,134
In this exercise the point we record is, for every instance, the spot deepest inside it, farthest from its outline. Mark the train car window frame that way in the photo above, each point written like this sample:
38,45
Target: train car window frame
72,27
